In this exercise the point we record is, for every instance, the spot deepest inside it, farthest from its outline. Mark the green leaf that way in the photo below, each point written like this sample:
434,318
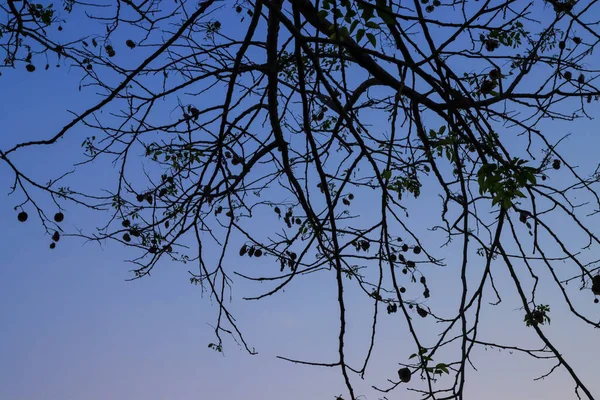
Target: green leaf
386,174
372,39
413,355
359,35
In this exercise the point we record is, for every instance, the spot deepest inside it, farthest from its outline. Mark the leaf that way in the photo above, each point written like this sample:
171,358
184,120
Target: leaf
360,34
413,355
372,39
386,174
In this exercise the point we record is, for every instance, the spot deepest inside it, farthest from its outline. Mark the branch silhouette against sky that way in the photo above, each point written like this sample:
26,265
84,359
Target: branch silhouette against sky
422,167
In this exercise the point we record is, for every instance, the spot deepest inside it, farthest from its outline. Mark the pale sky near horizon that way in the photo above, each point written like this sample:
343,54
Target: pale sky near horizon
72,328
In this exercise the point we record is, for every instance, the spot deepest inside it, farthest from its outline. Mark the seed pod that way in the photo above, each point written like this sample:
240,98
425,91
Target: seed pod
56,236
110,51
404,374
596,285
126,237
22,216
556,164
243,250
491,45
417,250
126,223
422,313
59,217
487,86
130,43
494,74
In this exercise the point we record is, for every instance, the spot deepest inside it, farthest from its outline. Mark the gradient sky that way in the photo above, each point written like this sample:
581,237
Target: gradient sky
71,328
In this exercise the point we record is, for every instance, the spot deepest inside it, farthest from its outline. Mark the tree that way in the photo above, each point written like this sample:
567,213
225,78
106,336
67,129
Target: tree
341,118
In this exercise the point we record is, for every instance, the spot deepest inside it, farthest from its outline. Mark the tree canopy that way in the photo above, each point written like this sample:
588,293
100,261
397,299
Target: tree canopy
391,147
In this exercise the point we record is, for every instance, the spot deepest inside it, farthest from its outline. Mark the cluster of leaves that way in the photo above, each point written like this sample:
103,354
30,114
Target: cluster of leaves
506,182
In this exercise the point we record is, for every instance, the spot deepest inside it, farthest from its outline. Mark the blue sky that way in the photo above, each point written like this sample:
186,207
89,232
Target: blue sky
71,328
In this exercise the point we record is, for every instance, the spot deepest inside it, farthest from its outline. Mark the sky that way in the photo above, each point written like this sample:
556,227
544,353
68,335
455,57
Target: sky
73,328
